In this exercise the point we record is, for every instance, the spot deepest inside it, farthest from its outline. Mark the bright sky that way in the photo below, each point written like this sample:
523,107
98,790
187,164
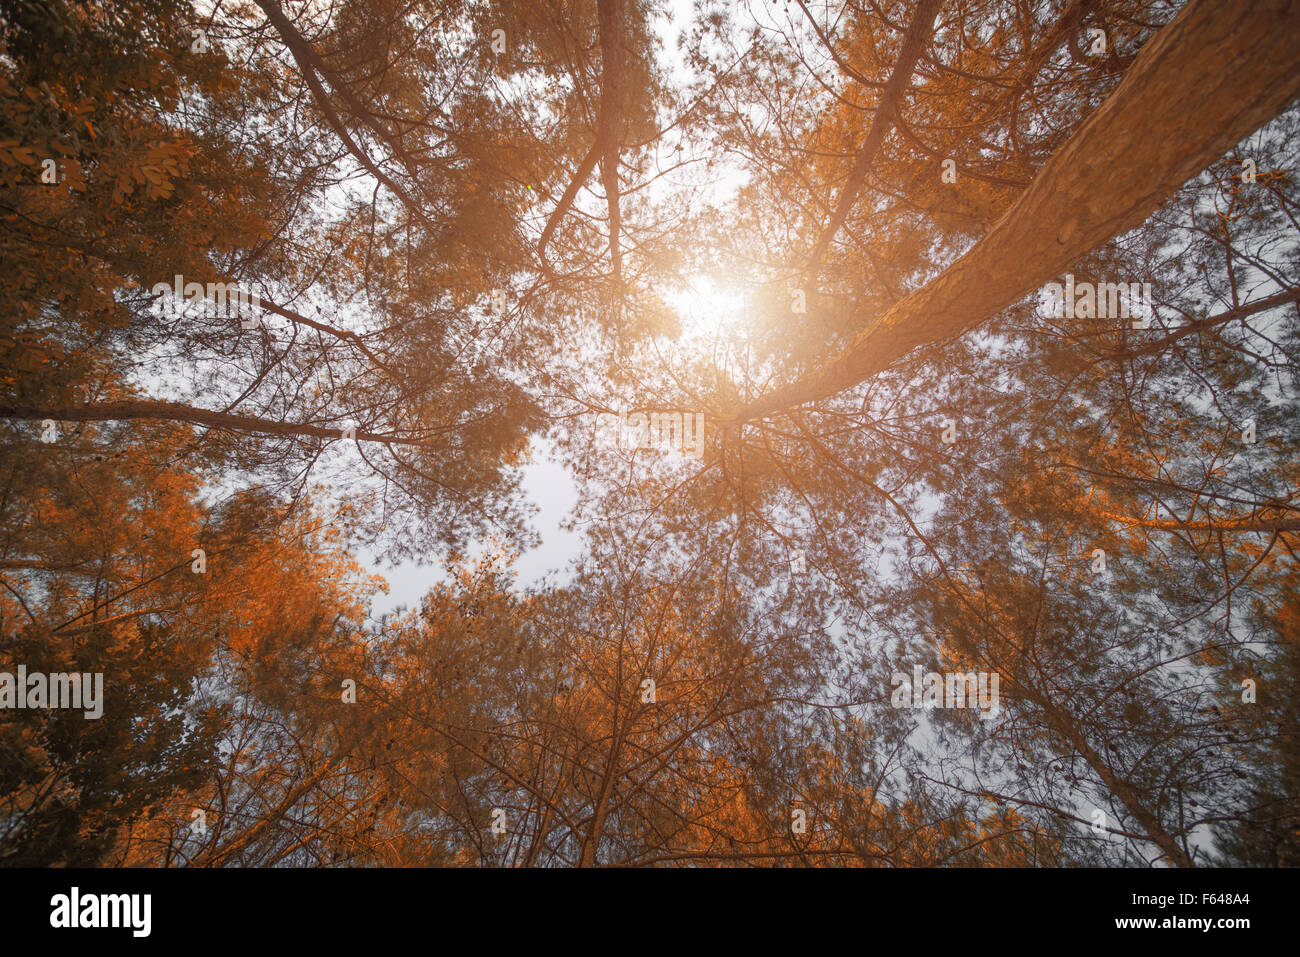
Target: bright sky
707,307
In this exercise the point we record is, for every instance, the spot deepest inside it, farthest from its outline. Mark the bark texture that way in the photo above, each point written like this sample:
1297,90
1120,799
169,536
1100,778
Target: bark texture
1213,75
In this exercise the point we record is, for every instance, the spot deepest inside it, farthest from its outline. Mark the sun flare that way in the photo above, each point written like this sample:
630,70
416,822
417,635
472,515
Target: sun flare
708,308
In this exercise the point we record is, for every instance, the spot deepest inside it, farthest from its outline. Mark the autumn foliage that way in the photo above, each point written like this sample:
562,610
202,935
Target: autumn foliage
477,230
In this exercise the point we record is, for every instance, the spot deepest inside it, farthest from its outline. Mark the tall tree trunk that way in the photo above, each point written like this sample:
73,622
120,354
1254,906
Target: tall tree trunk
918,35
1214,74
605,148
1068,728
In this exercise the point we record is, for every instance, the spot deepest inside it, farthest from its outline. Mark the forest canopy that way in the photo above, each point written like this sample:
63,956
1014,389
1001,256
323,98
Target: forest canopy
928,373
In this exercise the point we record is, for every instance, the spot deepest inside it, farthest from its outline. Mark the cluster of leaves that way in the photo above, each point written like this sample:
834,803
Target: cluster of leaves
461,248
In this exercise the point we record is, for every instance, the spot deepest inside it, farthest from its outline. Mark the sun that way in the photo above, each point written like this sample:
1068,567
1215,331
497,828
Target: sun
707,308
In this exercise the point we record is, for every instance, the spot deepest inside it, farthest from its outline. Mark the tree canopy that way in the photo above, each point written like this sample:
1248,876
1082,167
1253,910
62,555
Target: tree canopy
895,349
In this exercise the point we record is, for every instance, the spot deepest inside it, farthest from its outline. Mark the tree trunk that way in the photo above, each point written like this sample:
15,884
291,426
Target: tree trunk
1069,729
918,35
1214,74
605,148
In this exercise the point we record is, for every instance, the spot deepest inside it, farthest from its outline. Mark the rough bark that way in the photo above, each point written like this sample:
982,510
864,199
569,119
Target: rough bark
1214,74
